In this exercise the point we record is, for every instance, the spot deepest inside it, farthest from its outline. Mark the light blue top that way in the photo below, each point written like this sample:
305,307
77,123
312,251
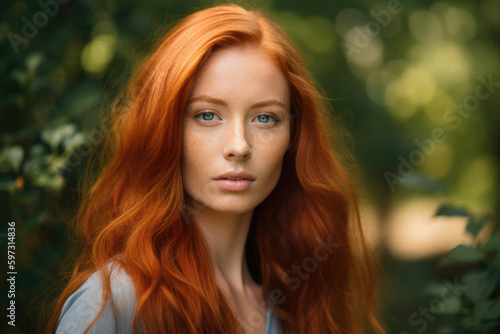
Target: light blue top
82,307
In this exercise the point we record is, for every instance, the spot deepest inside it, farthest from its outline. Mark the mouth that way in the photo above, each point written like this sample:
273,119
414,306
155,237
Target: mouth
234,184
233,179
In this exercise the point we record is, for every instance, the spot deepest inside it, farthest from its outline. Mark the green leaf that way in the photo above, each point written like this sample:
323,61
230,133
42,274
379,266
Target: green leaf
19,76
447,330
37,160
421,181
39,83
474,227
37,219
13,155
450,210
470,322
56,135
480,285
488,309
71,144
9,186
37,150
463,254
449,307
434,289
453,308
51,181
493,242
35,166
32,62
495,262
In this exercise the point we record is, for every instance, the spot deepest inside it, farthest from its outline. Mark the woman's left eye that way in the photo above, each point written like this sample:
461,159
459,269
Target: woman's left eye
264,118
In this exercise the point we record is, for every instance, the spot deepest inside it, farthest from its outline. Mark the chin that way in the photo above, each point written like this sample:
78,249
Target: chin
233,206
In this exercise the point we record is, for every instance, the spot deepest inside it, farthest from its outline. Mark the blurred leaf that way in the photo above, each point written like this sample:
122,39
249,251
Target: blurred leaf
37,150
52,181
424,182
70,144
488,309
493,242
38,219
471,322
35,166
20,77
476,224
56,135
434,289
495,262
474,228
9,186
447,330
463,254
39,83
60,164
37,160
447,307
13,155
480,285
32,62
450,210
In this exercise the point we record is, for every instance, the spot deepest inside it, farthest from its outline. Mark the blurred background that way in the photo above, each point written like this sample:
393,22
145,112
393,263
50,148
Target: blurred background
416,83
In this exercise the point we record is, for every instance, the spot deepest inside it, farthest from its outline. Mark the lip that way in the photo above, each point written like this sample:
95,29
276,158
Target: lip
234,174
235,185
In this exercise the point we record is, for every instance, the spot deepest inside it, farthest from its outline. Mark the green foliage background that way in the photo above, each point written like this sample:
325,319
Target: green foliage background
390,88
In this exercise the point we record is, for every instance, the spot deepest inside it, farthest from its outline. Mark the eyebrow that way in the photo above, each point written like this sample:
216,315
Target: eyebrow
205,98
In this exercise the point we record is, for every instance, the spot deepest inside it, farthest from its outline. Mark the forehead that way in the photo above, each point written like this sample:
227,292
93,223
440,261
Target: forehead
243,71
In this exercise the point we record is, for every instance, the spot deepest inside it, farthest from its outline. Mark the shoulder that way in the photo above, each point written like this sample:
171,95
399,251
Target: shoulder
273,325
81,308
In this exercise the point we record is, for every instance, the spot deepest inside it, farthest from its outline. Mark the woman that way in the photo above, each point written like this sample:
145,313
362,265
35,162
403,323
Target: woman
224,207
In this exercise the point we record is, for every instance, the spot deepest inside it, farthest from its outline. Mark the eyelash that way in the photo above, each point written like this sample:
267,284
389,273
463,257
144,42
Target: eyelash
272,116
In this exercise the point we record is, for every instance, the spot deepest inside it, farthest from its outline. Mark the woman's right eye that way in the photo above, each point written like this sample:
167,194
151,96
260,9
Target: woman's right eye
206,116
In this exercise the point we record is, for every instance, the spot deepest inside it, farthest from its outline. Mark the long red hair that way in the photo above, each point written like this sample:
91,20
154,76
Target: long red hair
135,207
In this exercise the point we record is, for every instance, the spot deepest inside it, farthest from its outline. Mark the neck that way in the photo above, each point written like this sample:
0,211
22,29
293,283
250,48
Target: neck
226,234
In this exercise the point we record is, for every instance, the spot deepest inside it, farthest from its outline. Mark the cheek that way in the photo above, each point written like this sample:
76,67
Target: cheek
273,150
189,154
196,153
191,166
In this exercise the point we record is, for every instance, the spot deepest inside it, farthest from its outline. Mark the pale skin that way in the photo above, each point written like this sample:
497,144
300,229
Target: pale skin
230,124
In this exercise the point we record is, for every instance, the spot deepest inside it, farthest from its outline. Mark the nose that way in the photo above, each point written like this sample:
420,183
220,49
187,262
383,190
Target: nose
237,144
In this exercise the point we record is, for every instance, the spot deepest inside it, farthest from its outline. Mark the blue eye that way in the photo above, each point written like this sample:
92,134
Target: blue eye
206,116
209,114
266,117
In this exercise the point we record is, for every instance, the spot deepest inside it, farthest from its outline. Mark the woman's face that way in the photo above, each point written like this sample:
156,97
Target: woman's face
237,120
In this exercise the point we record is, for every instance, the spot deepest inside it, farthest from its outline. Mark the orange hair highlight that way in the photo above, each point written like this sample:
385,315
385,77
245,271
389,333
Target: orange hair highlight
136,208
